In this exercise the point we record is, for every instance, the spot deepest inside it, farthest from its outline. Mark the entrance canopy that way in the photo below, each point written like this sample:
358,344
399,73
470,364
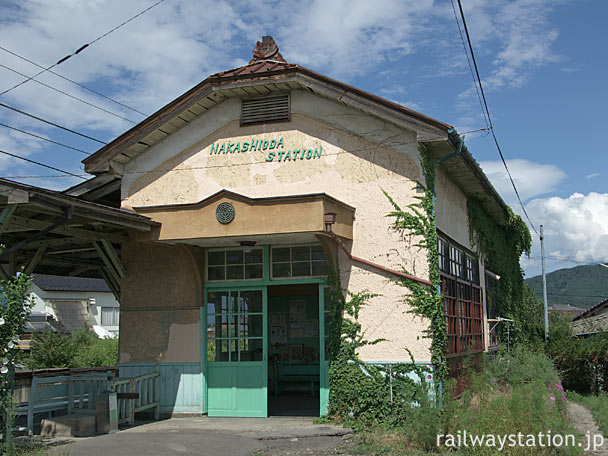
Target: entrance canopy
226,216
52,233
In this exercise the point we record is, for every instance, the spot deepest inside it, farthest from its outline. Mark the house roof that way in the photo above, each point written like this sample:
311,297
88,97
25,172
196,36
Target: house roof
47,282
590,325
591,311
565,308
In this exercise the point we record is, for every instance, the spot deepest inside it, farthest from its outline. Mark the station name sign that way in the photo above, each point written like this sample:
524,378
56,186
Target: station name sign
274,149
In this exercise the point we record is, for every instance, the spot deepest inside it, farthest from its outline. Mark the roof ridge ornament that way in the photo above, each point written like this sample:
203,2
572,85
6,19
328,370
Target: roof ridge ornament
266,49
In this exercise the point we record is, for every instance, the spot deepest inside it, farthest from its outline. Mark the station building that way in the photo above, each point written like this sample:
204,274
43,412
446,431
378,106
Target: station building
255,183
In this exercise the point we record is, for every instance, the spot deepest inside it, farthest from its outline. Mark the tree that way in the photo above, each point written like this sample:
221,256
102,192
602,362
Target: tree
15,306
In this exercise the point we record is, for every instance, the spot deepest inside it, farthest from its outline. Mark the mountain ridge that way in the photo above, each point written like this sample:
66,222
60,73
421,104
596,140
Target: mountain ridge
580,286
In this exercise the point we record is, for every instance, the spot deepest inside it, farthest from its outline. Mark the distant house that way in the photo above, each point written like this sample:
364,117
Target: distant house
73,301
592,321
566,310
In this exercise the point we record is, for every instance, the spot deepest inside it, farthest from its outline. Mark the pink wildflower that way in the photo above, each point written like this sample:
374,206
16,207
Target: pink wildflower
552,398
429,377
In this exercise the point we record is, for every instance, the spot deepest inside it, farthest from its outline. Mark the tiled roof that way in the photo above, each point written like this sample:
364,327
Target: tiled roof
261,67
48,282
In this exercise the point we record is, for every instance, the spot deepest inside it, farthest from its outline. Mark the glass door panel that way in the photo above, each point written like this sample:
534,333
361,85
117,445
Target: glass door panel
236,353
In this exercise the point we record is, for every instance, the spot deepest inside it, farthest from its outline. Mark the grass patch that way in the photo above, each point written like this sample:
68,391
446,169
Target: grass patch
597,405
513,393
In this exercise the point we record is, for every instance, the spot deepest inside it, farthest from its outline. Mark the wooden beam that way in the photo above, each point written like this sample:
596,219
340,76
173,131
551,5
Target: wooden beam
59,242
114,258
12,264
66,230
80,269
3,274
5,217
115,288
109,266
35,260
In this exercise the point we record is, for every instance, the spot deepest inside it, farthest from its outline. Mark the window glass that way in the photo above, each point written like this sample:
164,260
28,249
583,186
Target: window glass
235,264
299,261
235,326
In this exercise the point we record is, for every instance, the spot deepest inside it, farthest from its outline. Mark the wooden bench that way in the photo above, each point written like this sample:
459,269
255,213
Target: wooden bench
293,373
68,393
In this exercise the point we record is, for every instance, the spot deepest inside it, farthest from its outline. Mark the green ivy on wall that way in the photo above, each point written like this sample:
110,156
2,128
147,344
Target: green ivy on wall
360,393
501,245
425,301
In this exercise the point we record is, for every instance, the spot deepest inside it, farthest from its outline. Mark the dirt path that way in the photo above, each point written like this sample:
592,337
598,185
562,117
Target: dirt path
583,421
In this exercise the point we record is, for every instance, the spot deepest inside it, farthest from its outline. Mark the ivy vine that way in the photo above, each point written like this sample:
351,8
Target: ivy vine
361,393
501,245
419,220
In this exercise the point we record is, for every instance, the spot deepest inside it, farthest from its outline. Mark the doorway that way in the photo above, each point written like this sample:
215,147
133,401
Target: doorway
294,352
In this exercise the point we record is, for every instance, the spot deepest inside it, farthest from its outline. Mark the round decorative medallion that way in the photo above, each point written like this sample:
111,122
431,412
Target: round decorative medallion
224,213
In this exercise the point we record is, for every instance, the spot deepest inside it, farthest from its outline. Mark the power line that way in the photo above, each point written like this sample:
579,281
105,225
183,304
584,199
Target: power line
68,95
51,123
470,67
82,48
46,139
487,110
74,82
41,164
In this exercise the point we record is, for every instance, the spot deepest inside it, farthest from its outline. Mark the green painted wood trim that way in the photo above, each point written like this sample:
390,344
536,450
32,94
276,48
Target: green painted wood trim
203,351
323,365
237,285
192,363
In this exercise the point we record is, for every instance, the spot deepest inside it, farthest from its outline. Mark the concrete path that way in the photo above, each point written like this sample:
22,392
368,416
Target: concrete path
583,421
210,437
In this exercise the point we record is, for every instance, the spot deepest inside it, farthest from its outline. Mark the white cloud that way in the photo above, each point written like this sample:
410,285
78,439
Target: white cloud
531,179
575,228
592,175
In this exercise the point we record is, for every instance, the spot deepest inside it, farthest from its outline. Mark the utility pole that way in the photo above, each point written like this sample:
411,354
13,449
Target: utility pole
542,255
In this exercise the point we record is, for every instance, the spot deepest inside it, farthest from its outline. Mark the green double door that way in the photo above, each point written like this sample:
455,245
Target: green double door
237,373
237,352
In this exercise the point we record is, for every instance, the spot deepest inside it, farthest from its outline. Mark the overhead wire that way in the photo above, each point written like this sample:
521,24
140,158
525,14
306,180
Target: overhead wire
45,139
74,82
491,126
42,164
81,48
52,123
69,95
470,68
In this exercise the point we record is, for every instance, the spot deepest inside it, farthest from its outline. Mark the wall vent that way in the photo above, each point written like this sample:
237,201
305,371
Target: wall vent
273,108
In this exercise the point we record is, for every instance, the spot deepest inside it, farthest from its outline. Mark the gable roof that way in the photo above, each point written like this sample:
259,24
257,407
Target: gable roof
273,74
47,282
593,310
254,79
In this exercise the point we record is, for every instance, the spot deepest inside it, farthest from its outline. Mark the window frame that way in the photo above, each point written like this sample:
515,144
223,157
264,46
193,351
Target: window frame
225,265
290,262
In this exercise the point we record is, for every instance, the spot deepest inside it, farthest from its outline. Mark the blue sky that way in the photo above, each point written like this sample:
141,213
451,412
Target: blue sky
543,64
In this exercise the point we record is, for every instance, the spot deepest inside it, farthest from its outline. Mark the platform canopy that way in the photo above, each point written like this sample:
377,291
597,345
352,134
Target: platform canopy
50,232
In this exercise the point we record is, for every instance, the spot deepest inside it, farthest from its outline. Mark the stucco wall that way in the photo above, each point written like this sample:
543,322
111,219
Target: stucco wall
362,156
167,280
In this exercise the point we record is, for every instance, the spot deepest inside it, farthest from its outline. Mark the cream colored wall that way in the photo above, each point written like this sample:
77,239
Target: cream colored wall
362,156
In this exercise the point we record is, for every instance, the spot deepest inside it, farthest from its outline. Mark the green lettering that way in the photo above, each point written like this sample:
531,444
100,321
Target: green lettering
319,152
221,151
288,156
281,154
272,144
270,157
213,149
280,143
229,148
237,148
295,154
245,146
308,154
254,145
265,145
